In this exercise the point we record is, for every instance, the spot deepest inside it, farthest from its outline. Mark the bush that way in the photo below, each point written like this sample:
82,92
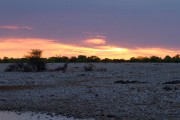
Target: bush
89,67
37,64
11,68
18,67
27,68
35,61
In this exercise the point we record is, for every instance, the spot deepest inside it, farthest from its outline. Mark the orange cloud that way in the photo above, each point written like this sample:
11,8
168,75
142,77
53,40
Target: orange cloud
95,41
15,27
18,47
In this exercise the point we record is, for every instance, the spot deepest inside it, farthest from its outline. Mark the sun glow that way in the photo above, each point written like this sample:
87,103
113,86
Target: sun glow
18,47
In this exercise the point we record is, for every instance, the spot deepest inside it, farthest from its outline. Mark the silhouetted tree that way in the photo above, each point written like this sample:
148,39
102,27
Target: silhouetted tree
73,59
133,59
167,59
118,60
145,59
106,60
35,60
155,59
55,59
81,58
64,59
35,57
142,59
93,59
176,58
5,60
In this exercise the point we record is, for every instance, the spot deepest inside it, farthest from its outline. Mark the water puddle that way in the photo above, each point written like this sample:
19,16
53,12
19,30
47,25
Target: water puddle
32,116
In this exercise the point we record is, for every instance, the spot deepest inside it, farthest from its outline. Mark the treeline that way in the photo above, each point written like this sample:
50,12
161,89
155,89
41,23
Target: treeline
83,58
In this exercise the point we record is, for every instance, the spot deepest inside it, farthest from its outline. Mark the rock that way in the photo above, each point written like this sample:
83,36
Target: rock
173,82
127,82
167,88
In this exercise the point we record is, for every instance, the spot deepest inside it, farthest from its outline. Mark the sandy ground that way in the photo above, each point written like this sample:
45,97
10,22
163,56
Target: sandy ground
7,115
96,94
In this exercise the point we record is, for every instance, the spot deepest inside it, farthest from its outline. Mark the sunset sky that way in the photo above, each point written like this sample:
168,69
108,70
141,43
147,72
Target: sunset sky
105,28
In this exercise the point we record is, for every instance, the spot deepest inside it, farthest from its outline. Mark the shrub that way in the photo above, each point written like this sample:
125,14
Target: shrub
35,61
19,67
15,67
27,68
11,68
89,67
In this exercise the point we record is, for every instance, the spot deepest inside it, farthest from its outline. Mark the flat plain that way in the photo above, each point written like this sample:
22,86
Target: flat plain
112,91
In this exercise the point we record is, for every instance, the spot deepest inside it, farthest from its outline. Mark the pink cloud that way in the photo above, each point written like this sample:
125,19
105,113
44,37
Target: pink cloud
15,27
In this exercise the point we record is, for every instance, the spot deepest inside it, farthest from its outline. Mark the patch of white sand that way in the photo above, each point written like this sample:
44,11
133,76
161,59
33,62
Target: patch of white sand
32,116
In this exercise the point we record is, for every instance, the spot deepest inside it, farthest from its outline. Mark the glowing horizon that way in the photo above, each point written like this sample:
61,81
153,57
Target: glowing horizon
19,47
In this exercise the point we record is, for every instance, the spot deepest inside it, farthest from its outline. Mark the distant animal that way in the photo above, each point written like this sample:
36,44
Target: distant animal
64,68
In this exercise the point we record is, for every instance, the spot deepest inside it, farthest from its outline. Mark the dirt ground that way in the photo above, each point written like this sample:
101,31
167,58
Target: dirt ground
124,91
